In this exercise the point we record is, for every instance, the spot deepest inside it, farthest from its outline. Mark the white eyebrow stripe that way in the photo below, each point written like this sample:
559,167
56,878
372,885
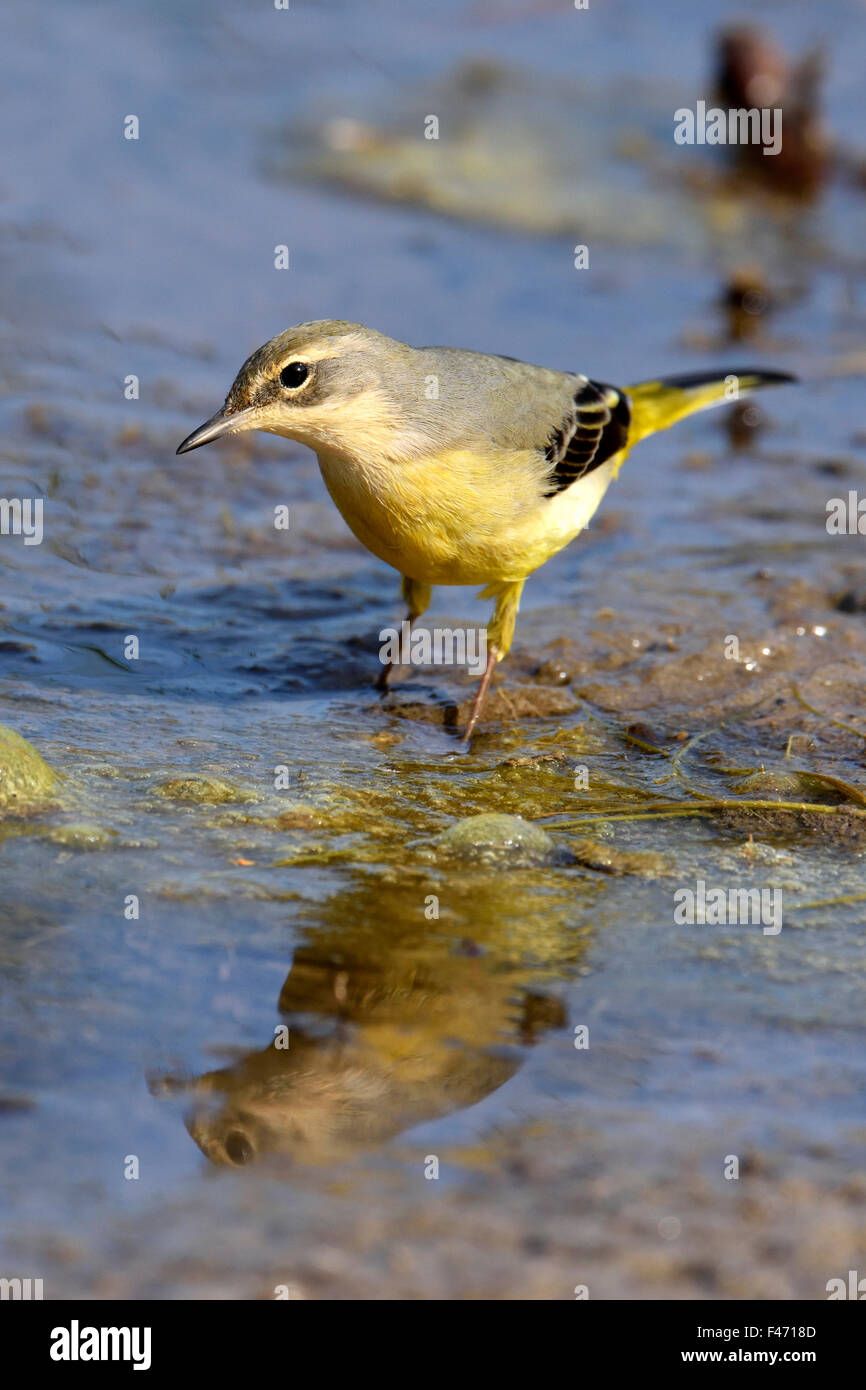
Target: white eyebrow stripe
311,354
328,347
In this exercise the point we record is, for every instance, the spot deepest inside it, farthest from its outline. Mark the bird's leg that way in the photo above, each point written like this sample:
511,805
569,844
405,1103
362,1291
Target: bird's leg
500,632
417,597
481,694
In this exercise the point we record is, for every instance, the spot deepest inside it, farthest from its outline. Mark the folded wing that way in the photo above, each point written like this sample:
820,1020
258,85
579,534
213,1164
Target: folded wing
594,429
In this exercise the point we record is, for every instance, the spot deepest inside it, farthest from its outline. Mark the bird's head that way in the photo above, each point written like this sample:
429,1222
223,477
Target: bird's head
328,384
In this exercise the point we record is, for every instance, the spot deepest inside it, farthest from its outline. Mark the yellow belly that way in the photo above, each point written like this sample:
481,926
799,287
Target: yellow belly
461,518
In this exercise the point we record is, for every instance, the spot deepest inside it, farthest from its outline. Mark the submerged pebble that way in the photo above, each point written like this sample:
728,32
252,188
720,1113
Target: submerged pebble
27,783
497,838
82,836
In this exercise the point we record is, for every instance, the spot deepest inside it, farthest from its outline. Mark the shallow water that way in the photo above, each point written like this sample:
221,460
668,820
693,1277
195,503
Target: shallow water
413,1036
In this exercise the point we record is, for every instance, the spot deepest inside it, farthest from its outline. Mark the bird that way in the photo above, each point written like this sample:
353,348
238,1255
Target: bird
453,466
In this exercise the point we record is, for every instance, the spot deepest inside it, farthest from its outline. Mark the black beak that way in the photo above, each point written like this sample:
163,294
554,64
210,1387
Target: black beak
217,425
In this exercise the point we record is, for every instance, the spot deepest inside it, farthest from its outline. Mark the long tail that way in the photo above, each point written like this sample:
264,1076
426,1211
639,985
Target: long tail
658,404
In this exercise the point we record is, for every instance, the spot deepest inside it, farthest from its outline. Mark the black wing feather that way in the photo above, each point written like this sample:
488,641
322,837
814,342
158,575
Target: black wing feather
593,431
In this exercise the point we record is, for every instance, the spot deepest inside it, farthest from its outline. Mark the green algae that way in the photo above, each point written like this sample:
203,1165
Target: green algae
608,860
805,786
202,791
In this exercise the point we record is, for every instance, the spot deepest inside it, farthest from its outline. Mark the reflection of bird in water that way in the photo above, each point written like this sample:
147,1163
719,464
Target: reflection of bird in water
390,1023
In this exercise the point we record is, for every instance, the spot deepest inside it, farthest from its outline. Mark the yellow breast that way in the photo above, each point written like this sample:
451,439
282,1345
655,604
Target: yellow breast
462,517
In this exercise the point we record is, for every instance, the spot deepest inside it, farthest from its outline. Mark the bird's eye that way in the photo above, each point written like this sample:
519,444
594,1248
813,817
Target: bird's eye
238,1147
295,374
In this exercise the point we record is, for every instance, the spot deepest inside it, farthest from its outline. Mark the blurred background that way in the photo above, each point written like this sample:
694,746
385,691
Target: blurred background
146,1032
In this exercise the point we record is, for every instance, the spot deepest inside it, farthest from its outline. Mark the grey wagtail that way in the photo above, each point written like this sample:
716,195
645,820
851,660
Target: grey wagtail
455,467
